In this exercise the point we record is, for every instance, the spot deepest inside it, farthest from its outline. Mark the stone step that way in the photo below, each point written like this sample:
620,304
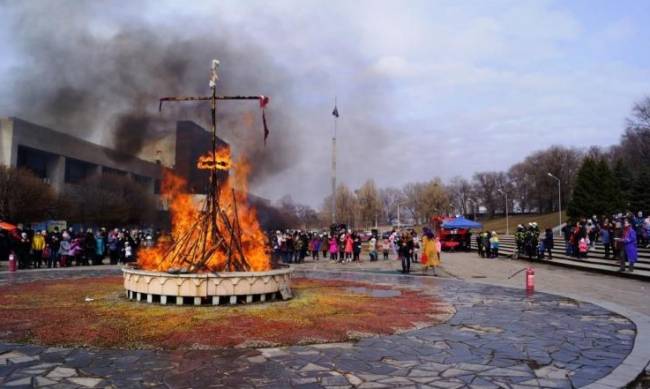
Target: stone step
641,270
560,246
591,258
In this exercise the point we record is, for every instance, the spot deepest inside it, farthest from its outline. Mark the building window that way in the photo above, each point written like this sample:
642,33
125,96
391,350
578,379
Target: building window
76,171
109,170
34,160
142,180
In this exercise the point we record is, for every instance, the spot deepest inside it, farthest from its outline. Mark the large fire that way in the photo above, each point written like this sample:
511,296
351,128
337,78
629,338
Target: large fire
191,235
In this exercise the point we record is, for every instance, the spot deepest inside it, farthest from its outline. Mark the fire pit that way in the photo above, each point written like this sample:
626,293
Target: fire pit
217,254
207,288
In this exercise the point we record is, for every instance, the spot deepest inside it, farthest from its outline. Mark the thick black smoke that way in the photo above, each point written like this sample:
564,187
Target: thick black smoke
84,74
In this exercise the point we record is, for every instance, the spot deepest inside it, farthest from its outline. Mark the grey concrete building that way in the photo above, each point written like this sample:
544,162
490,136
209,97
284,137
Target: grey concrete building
62,159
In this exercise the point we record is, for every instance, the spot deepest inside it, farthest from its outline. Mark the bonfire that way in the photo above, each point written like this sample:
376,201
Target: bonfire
223,234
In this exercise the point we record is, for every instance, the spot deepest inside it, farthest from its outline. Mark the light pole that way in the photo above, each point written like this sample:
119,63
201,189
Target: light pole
559,197
507,219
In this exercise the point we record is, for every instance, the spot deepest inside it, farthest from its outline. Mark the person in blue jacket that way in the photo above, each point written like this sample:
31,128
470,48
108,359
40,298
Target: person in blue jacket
629,247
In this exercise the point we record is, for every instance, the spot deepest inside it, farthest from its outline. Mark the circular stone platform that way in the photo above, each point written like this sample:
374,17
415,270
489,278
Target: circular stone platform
498,337
207,288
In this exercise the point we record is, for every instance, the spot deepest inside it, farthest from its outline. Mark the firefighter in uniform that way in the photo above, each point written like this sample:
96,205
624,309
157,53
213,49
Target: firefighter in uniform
519,239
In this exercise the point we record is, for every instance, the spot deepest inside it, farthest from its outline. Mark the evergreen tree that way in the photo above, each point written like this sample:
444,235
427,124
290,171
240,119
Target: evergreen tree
608,195
585,193
625,181
640,193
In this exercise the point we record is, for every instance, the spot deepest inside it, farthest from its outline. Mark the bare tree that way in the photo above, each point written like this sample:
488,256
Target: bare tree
110,199
533,189
369,203
24,197
485,186
426,199
390,198
346,206
635,142
460,194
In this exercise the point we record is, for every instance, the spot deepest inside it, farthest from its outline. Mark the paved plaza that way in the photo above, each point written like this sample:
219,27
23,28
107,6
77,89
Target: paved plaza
497,337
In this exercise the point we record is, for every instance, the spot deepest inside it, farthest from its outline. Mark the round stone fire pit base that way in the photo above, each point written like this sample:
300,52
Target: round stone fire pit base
208,288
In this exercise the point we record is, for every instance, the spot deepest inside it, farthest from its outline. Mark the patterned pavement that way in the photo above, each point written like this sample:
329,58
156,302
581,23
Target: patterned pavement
498,337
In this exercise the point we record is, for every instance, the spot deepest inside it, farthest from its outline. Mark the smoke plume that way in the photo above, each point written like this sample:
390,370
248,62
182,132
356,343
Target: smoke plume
82,79
97,69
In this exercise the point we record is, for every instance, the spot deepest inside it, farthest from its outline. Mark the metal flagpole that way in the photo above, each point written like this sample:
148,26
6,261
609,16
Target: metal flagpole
336,117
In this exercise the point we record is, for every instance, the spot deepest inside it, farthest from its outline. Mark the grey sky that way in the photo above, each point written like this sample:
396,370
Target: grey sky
425,88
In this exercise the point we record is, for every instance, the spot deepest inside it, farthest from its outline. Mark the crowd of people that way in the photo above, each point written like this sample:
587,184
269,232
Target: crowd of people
621,235
487,244
343,245
69,247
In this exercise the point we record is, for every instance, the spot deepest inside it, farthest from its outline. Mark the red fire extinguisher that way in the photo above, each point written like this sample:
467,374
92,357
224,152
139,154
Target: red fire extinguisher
12,262
530,280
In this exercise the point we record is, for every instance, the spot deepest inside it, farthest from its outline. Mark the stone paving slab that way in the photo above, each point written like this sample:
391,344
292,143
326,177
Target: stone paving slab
498,337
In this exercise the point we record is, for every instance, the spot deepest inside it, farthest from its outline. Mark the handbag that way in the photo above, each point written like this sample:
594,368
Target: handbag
424,259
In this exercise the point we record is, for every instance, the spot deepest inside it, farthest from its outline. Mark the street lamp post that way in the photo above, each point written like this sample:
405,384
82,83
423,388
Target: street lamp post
559,197
507,219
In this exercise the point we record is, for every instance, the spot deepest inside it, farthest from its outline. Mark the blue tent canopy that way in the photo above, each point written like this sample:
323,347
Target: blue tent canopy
461,222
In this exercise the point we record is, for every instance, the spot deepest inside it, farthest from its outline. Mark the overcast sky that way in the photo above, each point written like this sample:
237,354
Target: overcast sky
425,88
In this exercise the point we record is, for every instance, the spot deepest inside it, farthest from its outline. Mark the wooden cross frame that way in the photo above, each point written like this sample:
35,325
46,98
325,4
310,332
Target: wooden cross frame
200,242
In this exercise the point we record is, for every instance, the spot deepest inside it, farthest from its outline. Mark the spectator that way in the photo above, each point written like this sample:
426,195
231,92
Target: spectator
114,247
629,247
356,247
348,246
324,245
372,248
64,249
334,248
416,245
485,241
22,251
605,237
38,245
128,252
405,250
385,248
479,245
314,246
548,243
304,247
494,245
583,247
75,251
54,243
430,251
88,248
100,247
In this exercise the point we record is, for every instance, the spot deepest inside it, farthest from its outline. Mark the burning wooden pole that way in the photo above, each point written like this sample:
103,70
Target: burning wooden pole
215,230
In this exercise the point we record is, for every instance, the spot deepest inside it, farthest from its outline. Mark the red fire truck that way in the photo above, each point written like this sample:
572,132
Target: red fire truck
454,232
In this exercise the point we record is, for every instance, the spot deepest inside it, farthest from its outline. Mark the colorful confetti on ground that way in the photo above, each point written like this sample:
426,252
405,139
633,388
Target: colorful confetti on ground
56,313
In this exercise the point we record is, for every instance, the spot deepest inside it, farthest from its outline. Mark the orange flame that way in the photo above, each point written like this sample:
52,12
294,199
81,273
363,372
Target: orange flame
189,226
220,161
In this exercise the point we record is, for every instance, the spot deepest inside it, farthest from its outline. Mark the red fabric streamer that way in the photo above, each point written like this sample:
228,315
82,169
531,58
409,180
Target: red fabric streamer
264,100
266,128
